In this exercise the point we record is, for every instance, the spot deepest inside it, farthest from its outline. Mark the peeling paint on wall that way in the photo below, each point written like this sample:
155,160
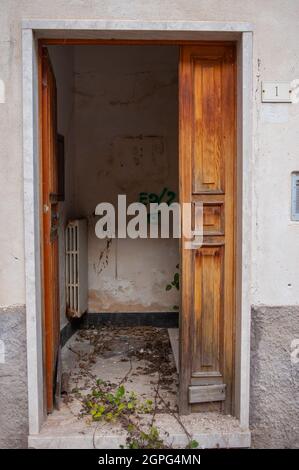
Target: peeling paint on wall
103,258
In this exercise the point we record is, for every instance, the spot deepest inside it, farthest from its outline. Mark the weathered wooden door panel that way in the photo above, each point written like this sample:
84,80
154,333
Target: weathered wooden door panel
207,174
207,142
50,224
208,289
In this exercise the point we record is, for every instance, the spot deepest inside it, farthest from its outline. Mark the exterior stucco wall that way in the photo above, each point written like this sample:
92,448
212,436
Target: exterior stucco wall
275,268
13,379
276,137
274,405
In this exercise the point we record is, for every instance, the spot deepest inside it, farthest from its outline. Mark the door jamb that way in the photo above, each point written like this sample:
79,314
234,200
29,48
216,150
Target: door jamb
241,33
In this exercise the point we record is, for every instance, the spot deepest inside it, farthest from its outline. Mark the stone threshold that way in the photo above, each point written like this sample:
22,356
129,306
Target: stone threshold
211,430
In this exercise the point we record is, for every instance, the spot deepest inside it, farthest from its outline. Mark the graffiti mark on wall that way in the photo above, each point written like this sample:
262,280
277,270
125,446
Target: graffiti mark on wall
166,195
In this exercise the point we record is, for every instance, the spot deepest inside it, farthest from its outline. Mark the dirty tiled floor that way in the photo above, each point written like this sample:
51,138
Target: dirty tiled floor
141,359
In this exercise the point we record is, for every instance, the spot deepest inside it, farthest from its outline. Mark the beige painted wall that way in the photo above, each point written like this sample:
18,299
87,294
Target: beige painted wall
276,137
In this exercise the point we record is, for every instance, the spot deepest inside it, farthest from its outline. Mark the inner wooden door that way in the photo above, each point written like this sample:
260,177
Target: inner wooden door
207,88
50,197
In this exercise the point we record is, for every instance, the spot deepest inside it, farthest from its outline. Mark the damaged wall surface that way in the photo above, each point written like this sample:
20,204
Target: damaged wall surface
124,141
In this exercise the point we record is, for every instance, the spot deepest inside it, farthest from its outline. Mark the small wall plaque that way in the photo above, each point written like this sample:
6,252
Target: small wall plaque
276,92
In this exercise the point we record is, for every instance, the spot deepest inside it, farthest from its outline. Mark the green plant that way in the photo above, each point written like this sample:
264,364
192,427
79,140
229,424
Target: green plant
105,404
193,444
144,440
102,403
110,403
146,407
175,282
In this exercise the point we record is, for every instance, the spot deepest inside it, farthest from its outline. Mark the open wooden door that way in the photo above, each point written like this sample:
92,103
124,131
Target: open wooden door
207,174
50,198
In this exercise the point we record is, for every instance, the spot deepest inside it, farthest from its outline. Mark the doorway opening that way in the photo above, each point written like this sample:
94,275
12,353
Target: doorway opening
121,110
117,119
118,112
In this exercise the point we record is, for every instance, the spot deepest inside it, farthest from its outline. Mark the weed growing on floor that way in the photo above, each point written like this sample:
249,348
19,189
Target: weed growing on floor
145,440
107,402
104,404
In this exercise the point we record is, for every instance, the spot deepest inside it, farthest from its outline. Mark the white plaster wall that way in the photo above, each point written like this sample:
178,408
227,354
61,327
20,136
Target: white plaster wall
126,142
275,238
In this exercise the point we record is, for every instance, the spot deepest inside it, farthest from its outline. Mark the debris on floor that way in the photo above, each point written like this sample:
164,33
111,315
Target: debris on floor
123,374
140,356
130,359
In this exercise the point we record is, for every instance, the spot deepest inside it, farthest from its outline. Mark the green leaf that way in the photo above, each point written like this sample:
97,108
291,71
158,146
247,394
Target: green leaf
109,416
168,287
120,391
121,407
110,397
134,445
154,433
192,444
